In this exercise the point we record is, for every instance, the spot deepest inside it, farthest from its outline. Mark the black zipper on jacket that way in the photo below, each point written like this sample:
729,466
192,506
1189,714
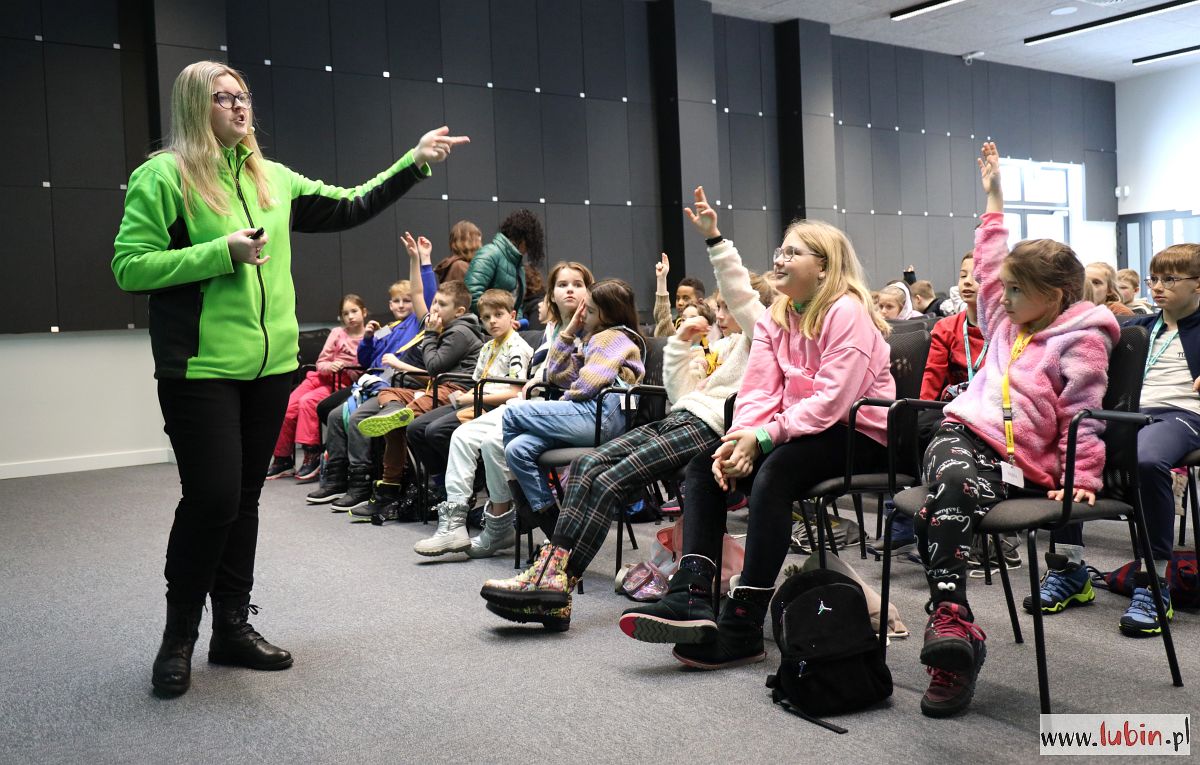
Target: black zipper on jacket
262,287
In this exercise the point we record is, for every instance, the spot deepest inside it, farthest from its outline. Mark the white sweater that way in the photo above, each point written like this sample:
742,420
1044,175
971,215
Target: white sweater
686,387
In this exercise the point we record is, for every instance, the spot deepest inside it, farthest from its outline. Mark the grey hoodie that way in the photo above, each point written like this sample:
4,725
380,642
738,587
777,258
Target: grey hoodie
456,348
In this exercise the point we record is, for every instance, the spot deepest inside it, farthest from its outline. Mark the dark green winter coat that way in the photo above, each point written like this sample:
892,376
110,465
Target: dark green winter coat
497,266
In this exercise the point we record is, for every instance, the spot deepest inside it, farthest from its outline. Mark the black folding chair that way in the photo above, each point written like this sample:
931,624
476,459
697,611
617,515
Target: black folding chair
1190,463
1119,499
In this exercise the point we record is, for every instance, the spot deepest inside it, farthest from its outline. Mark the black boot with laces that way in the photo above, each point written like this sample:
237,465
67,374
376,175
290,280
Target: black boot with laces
235,641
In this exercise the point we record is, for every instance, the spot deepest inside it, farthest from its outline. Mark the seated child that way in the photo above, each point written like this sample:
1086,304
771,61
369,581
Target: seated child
1129,284
895,302
689,292
481,439
1006,435
1102,288
506,354
300,424
601,480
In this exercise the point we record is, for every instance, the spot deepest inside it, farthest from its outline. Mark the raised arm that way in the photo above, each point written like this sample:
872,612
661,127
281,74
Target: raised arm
991,243
733,279
419,251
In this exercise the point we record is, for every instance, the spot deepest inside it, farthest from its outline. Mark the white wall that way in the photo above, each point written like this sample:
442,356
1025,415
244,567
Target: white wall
1158,138
78,401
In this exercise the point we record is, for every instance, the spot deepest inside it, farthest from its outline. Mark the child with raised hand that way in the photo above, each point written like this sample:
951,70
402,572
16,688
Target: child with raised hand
600,480
817,350
482,439
1047,360
300,423
606,323
689,292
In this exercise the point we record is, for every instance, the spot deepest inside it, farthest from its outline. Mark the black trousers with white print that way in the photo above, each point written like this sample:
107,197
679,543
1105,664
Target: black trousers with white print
963,475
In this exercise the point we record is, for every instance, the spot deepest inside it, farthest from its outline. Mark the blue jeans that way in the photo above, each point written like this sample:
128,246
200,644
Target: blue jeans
538,426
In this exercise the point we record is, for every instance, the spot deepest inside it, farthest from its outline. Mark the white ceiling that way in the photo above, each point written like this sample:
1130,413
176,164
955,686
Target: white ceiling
998,27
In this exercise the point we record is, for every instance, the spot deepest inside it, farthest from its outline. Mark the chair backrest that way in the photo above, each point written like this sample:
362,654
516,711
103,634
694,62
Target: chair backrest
533,337
651,408
1126,370
909,351
311,342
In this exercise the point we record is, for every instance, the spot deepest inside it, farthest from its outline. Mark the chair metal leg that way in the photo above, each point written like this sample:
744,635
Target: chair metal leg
1039,635
821,531
807,526
862,526
987,559
886,535
878,515
629,528
1185,503
1195,503
1008,593
620,545
826,518
1147,556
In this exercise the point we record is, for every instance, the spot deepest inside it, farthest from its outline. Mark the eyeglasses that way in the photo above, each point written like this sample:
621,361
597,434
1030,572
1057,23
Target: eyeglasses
227,100
1166,281
787,254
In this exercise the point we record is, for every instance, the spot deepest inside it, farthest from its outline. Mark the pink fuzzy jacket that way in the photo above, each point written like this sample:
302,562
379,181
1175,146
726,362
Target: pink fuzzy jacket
1063,370
339,347
795,386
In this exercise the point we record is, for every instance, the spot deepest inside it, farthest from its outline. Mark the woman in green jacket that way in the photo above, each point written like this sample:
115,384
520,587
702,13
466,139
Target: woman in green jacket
500,264
205,233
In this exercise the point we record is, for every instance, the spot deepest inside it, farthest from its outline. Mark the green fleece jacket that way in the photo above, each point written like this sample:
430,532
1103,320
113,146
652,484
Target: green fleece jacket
209,316
497,265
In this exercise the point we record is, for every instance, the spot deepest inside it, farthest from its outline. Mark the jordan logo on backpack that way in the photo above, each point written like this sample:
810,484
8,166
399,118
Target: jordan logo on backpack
822,608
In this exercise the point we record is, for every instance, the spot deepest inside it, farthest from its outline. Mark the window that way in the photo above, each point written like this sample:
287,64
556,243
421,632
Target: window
1037,200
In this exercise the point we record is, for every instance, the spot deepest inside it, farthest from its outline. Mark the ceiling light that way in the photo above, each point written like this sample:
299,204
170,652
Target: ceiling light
1165,56
1066,10
1111,21
919,8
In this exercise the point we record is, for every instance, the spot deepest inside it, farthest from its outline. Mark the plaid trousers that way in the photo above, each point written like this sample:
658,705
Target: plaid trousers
600,480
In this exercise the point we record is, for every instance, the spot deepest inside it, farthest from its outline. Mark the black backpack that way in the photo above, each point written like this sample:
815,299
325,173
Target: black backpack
832,662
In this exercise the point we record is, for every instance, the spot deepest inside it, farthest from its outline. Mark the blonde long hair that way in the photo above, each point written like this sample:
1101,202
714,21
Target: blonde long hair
196,149
843,275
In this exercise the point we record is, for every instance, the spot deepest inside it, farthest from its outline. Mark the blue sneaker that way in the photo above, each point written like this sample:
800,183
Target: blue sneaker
904,536
1064,585
1141,618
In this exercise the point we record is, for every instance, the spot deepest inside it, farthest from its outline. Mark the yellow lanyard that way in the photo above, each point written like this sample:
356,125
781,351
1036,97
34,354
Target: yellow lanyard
495,352
1017,349
711,359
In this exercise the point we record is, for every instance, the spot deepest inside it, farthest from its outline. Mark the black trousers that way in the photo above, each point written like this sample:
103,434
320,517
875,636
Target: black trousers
331,402
223,433
778,479
429,437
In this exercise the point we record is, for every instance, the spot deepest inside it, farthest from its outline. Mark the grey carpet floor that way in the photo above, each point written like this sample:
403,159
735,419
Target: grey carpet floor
398,661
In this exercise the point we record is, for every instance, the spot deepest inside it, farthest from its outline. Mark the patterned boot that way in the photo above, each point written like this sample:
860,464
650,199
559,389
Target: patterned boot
544,583
553,619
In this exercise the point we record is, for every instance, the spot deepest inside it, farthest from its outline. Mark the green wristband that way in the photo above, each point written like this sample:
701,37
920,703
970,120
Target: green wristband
765,444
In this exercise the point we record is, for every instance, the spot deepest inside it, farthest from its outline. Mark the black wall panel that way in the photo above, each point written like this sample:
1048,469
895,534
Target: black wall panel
417,107
1100,178
964,176
885,171
560,46
1041,104
261,83
720,61
515,57
22,20
171,61
317,274
753,244
1066,119
816,68
414,56
568,234
937,174
724,166
608,152
83,234
1008,88
372,256
772,164
914,243
1099,115
429,218
853,66
23,80
913,199
604,50
744,66
766,55
484,214
935,87
519,146
982,107
466,42
857,169
643,155
83,116
472,173
889,257
747,162
698,140
860,227
964,242
960,103
884,113
358,36
612,246
190,24
300,34
27,294
304,133
941,242
694,65
362,128
820,162
646,243
80,22
910,89
564,149
638,73
248,31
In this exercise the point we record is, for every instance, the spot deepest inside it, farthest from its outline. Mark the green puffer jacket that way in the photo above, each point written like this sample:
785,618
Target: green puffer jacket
497,266
209,316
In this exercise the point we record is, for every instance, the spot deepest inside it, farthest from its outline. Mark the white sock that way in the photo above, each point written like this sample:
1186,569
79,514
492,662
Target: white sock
1074,553
1160,566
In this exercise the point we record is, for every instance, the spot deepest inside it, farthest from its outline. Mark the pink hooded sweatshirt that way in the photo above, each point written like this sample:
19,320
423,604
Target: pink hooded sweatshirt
1063,370
796,387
